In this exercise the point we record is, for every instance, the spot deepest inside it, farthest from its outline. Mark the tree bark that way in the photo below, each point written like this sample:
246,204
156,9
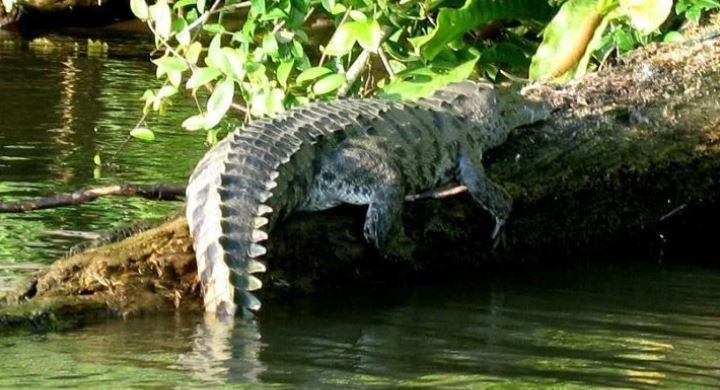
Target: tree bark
630,157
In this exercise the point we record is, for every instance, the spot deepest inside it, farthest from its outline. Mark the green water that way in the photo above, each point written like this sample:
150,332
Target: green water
622,326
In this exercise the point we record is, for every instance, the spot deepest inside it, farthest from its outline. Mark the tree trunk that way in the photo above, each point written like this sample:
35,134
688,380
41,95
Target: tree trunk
630,157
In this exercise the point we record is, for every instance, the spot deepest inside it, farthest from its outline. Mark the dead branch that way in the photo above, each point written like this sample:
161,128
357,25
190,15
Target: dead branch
85,195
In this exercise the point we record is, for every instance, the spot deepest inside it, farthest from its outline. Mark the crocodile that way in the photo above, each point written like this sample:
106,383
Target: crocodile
362,151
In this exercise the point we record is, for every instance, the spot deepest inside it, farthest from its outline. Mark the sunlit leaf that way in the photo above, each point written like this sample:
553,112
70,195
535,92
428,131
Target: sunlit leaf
160,15
270,45
192,53
97,160
143,134
166,91
423,81
452,24
283,72
342,40
183,37
257,7
168,63
328,84
369,35
215,56
565,39
219,102
195,122
673,36
646,15
267,102
233,63
140,9
202,76
312,73
175,78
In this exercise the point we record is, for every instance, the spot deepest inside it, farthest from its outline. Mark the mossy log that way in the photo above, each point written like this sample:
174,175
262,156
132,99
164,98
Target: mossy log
631,155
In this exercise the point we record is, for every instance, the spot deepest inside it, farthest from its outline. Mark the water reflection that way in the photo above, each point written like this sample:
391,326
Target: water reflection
586,332
60,106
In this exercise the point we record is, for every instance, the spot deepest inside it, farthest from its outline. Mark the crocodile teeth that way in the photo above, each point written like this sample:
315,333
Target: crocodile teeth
256,250
255,266
274,175
259,235
259,222
264,209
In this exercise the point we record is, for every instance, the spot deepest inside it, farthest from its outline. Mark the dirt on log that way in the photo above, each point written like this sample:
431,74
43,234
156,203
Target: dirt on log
631,155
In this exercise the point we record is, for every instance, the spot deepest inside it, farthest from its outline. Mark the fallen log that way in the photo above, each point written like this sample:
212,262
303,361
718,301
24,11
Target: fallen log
631,155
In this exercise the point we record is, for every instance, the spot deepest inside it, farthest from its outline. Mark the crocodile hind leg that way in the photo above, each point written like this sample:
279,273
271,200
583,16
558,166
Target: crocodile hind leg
358,172
490,195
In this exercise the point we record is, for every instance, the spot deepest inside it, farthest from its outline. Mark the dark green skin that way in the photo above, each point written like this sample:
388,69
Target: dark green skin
357,151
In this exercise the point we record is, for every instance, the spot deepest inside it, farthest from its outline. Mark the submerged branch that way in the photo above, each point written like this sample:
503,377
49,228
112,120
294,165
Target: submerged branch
85,195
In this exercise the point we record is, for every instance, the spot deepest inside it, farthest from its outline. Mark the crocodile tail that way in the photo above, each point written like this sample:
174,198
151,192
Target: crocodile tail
252,178
203,215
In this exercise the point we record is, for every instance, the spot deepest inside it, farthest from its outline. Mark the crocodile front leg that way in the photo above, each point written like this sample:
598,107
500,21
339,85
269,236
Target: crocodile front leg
490,195
359,172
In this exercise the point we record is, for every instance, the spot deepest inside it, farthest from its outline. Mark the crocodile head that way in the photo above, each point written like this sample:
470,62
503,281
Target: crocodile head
519,110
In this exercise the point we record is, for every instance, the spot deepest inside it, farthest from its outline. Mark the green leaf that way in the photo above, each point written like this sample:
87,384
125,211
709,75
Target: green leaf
214,28
143,134
452,24
646,15
342,40
333,7
328,84
312,73
215,56
97,160
192,53
369,35
195,122
160,15
424,81
270,45
565,39
175,77
183,37
182,4
673,36
233,63
257,7
200,6
202,76
275,14
219,102
140,9
169,63
166,91
267,103
283,72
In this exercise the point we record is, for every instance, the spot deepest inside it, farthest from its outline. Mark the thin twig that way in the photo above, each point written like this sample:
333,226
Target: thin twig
153,192
156,192
439,194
